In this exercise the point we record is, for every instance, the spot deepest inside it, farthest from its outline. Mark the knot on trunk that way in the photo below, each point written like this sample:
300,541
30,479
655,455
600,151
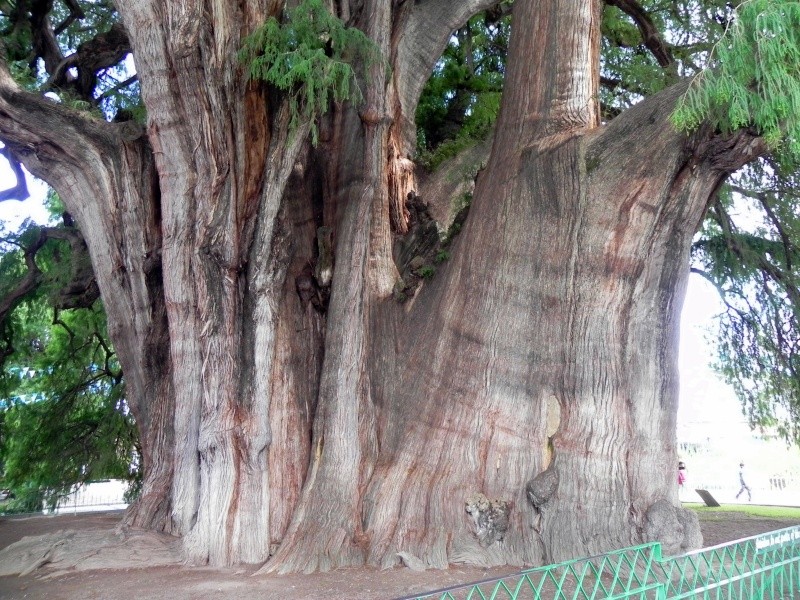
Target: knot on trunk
323,272
313,284
676,528
490,518
417,253
542,487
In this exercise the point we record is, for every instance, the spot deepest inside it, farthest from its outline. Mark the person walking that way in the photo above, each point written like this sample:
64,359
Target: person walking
681,479
743,484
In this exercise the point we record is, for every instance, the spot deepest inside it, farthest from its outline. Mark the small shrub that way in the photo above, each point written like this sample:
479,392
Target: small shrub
427,271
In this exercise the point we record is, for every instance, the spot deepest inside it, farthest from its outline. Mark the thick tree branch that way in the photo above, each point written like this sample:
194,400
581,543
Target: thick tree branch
650,35
60,145
728,153
101,52
28,284
32,19
44,39
80,292
75,13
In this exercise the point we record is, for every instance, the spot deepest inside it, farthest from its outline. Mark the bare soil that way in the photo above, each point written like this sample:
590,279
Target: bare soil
178,582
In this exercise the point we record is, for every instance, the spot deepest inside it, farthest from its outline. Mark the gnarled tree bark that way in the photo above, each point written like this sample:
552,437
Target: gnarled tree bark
106,176
519,409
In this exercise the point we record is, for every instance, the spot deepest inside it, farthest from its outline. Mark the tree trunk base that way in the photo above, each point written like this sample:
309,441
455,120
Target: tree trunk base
150,511
324,551
677,528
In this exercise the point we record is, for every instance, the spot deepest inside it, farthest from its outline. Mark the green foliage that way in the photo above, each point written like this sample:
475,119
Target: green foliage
755,79
630,72
23,75
107,92
754,265
427,271
65,420
311,57
461,100
623,63
84,107
477,124
63,412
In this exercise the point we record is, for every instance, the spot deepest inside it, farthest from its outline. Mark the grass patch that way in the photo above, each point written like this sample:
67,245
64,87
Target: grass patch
704,512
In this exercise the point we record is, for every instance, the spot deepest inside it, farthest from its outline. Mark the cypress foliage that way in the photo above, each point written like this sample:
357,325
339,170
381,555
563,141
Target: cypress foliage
754,80
313,57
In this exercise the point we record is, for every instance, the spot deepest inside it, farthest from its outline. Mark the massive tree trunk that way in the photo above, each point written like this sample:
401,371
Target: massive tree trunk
224,154
523,408
520,408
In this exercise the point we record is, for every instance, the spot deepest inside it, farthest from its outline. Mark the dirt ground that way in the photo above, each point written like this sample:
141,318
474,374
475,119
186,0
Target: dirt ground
190,583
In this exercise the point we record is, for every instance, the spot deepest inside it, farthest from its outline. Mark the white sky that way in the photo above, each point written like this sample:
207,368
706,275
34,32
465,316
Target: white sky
704,397
13,212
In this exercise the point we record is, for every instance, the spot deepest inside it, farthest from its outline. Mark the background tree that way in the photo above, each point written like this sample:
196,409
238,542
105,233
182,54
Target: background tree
65,420
748,250
305,385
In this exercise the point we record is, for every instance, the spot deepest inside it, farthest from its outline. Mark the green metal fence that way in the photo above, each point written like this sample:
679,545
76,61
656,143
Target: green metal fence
760,567
763,566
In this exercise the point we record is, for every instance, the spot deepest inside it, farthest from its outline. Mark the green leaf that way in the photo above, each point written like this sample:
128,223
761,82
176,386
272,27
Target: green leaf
312,57
754,79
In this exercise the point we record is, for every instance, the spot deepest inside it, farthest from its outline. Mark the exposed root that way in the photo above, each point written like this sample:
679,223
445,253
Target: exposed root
150,511
676,528
88,550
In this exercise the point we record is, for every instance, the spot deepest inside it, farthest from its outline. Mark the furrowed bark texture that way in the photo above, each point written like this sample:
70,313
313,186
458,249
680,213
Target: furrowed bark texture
366,184
518,409
325,531
106,177
527,413
223,160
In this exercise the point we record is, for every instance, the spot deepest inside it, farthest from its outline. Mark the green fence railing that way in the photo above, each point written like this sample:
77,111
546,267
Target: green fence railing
762,567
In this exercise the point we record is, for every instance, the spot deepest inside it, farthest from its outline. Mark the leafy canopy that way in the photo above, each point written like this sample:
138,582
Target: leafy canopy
76,52
64,419
461,100
754,263
310,56
754,80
